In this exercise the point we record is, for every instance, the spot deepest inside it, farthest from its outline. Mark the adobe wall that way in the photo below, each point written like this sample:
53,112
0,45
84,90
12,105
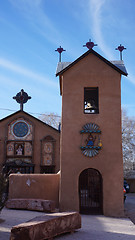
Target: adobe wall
40,131
131,182
37,186
91,72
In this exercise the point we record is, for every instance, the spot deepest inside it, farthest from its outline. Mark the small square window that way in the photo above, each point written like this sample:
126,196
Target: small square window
91,100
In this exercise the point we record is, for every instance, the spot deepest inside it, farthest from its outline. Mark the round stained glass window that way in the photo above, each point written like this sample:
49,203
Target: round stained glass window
20,129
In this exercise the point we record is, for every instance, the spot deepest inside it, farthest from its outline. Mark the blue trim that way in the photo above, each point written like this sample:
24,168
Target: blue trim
93,147
90,131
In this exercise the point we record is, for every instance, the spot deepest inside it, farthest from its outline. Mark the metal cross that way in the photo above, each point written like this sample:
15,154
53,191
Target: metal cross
21,98
60,50
120,48
90,44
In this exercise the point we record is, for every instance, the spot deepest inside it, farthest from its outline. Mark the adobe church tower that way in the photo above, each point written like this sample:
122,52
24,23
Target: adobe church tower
91,147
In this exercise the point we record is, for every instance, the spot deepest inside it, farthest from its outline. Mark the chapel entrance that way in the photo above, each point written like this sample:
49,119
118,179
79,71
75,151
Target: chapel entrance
90,192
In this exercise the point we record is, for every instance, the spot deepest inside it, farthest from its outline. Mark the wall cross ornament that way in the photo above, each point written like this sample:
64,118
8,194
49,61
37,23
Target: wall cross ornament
91,140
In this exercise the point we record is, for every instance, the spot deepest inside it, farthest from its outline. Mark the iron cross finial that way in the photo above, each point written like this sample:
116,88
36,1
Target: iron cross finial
21,98
90,44
60,50
120,48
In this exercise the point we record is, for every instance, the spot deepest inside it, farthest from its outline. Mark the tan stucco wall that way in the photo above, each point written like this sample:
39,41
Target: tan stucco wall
40,131
91,72
37,186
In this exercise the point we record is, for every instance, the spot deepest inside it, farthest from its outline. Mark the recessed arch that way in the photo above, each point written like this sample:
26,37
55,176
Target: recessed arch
90,192
47,154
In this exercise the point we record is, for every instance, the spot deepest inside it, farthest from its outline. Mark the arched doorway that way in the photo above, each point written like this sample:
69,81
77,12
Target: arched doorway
90,192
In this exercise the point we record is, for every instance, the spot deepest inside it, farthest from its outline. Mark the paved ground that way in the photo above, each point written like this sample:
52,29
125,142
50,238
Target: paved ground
93,227
130,206
12,218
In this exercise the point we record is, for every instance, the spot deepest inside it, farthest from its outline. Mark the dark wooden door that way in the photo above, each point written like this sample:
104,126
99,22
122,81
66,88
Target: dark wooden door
90,192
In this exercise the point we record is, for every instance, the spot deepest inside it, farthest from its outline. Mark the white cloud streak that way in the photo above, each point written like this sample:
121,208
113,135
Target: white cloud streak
96,9
131,78
37,16
32,10
26,72
128,105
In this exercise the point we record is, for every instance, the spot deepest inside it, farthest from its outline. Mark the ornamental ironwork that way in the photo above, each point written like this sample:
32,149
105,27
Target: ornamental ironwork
91,140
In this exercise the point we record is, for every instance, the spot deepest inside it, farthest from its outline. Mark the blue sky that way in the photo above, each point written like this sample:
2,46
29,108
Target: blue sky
31,30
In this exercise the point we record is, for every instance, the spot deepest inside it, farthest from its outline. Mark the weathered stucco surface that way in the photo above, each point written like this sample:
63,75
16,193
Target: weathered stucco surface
36,186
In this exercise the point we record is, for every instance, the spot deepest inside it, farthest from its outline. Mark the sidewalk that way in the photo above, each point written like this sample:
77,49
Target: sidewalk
10,218
93,227
130,206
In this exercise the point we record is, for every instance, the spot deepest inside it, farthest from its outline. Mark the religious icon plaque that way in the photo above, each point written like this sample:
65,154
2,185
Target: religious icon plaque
91,140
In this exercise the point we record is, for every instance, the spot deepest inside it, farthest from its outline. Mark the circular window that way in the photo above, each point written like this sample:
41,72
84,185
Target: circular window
20,129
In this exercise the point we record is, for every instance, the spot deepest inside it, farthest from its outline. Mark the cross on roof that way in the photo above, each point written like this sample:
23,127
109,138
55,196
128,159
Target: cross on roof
90,44
120,48
21,98
60,50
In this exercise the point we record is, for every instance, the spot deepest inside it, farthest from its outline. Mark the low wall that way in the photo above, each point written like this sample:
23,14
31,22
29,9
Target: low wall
37,186
131,183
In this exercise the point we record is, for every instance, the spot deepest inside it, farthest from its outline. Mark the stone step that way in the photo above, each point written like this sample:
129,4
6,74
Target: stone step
46,227
31,204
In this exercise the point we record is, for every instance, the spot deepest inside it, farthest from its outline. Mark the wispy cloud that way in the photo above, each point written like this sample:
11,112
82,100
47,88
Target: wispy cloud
131,78
129,109
96,9
38,18
128,105
26,72
33,11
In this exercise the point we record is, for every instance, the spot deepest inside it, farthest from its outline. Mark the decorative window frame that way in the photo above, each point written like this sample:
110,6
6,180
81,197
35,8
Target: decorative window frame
12,128
48,139
19,139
